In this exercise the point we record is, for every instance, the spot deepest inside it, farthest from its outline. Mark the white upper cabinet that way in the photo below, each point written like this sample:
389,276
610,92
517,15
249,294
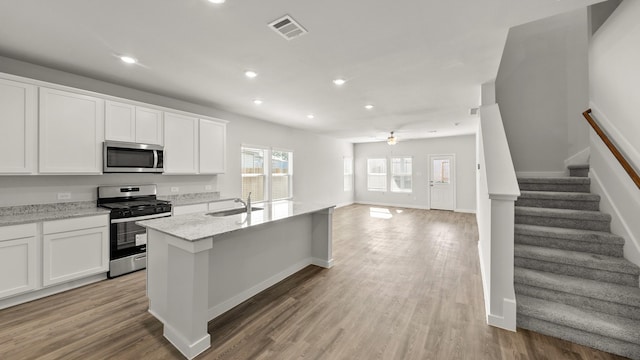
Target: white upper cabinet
148,126
71,133
18,122
180,144
125,122
213,137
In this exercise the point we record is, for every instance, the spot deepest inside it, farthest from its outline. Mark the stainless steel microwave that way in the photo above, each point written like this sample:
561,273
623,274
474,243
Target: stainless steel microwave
124,157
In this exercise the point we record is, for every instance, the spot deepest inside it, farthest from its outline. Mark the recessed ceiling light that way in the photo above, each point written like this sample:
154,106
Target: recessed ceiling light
257,101
339,81
368,106
128,59
217,1
310,116
250,74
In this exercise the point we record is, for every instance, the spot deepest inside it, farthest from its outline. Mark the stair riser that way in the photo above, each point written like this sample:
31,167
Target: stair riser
559,204
564,244
583,302
577,271
600,342
597,225
579,172
585,188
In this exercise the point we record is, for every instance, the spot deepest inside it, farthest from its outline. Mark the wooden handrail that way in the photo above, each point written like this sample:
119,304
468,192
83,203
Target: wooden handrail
618,155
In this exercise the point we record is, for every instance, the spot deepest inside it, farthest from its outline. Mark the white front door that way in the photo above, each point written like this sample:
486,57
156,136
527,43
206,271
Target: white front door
442,181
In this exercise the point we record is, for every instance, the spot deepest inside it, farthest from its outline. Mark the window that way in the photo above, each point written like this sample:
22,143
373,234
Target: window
401,174
254,173
267,180
281,174
377,174
348,174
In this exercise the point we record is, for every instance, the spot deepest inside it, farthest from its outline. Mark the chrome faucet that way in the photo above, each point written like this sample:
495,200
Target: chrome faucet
247,205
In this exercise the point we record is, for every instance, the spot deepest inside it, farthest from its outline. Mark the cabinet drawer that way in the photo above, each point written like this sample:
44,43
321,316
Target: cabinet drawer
51,227
17,231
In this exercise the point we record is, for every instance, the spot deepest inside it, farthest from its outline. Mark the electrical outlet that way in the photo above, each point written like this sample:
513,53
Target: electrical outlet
64,196
208,187
175,189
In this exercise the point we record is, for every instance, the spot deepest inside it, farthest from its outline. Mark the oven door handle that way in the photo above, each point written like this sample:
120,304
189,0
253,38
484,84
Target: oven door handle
138,218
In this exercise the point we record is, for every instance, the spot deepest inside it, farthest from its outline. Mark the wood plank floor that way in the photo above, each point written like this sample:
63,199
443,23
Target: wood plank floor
405,285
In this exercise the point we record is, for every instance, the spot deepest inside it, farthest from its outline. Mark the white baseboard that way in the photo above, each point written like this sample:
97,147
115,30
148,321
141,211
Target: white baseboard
468,211
37,294
227,305
408,206
189,350
579,158
508,320
344,204
322,263
544,174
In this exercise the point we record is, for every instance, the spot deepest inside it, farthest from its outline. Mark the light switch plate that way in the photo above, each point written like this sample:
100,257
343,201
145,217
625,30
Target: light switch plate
175,189
208,187
64,196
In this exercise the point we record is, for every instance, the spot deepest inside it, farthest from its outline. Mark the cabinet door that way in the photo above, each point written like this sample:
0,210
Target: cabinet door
120,122
71,133
17,259
74,254
212,147
18,133
148,126
180,144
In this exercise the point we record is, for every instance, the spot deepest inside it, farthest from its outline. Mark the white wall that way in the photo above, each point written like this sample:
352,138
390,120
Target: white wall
464,148
614,75
542,90
318,164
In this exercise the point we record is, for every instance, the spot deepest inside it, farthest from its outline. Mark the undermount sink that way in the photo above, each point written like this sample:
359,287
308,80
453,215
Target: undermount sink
232,211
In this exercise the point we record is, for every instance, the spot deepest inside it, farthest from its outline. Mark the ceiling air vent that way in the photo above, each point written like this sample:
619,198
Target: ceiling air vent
287,27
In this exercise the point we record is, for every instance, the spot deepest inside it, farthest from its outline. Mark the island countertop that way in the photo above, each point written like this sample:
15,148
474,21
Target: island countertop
197,226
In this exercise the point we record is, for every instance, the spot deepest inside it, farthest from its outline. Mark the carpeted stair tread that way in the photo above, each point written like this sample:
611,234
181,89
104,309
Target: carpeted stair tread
619,294
564,218
604,343
589,321
554,180
578,166
559,195
559,200
565,184
577,258
562,213
569,234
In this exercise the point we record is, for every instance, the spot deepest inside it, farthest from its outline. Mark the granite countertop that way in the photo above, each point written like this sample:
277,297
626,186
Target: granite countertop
24,214
194,198
197,226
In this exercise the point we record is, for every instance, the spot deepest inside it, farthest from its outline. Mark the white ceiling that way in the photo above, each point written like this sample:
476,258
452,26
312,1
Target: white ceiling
419,62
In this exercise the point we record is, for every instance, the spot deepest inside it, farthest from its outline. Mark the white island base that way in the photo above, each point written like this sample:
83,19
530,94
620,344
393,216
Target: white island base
190,282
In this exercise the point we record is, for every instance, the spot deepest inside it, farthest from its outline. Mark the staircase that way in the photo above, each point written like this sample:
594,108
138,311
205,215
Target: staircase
570,278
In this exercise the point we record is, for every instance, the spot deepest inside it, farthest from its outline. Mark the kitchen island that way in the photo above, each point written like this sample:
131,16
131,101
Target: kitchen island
199,265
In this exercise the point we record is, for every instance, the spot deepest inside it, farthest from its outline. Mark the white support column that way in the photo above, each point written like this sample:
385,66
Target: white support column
186,317
322,238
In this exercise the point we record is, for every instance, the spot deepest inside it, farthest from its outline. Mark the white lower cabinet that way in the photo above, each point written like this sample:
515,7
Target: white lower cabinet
18,256
74,248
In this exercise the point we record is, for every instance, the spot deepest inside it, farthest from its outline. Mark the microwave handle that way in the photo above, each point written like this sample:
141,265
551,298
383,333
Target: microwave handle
155,159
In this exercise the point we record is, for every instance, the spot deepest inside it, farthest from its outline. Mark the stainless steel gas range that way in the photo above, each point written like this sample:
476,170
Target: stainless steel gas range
128,241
